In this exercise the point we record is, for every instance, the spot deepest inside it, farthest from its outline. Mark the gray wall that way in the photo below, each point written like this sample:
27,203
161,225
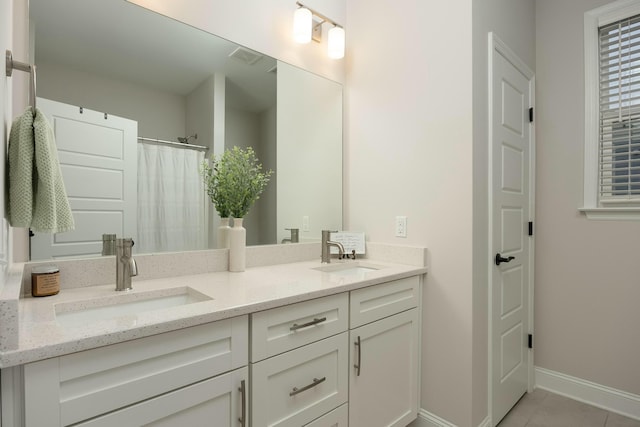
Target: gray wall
587,272
159,114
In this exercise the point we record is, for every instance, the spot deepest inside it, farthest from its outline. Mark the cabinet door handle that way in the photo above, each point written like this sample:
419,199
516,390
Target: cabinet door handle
315,321
357,365
315,382
243,394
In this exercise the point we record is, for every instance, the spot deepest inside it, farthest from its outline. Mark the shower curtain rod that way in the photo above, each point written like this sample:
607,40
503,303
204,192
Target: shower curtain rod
173,144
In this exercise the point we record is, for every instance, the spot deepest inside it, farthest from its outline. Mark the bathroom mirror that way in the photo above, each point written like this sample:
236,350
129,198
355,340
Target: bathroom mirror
173,81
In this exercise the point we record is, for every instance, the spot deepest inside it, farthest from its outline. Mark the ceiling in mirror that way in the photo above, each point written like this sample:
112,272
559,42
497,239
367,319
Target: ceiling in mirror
123,41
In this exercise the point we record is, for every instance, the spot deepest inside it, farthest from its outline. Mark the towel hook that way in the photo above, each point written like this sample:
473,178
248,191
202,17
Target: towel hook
27,68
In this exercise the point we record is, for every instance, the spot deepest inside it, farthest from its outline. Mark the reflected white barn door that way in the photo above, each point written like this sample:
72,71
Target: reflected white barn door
98,159
511,205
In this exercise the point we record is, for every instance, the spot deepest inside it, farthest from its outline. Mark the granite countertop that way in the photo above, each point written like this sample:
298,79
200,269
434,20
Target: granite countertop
231,294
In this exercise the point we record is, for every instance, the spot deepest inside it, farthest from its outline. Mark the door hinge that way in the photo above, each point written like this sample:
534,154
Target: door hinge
531,115
530,228
31,233
530,342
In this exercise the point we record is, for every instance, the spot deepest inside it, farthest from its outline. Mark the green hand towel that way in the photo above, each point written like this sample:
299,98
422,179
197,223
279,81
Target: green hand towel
51,210
20,172
37,197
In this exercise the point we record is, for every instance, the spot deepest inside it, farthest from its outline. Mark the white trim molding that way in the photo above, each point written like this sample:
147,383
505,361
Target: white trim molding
427,419
611,399
612,214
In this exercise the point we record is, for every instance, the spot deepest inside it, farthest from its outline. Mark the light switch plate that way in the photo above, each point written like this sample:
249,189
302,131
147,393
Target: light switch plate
401,226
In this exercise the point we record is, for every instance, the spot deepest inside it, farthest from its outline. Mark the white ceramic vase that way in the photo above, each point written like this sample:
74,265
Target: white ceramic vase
223,234
237,246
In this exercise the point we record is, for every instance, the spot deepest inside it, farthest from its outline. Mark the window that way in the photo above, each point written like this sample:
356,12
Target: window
612,122
619,138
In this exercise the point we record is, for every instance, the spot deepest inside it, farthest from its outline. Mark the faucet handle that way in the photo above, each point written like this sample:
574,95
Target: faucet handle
125,242
133,267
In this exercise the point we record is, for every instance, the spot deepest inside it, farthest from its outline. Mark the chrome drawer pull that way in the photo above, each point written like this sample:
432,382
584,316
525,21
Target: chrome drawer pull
357,365
315,321
243,393
315,382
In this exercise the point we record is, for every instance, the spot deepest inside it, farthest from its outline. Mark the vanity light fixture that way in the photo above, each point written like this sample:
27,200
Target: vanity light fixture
302,22
307,26
335,47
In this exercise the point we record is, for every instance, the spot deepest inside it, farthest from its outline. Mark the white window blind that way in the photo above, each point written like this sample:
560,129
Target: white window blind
619,147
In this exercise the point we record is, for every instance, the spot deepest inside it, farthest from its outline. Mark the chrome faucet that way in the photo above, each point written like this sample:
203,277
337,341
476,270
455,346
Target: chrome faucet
326,245
295,235
126,266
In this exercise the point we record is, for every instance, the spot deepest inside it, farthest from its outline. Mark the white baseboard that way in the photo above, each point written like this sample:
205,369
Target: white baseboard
611,399
427,419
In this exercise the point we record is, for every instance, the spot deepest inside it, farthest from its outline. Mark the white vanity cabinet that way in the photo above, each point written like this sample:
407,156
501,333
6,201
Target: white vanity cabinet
184,377
384,356
304,354
344,360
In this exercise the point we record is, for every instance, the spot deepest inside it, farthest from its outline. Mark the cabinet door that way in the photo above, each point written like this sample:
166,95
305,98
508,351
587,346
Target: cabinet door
383,388
214,402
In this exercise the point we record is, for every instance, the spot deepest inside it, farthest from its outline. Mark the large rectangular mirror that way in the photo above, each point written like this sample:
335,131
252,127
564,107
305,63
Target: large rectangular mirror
128,90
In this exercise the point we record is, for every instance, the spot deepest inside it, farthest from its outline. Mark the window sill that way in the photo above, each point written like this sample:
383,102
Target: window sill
612,214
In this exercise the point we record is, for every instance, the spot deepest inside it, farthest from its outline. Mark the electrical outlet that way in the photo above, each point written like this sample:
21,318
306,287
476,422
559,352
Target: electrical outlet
401,226
305,223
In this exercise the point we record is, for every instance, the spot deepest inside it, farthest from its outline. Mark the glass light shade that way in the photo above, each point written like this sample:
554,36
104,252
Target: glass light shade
335,48
302,25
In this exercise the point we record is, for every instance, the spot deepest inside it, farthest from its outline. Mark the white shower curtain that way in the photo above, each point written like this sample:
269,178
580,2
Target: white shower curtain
171,199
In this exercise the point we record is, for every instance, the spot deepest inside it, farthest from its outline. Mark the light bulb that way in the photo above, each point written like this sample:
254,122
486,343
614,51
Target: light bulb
302,25
335,45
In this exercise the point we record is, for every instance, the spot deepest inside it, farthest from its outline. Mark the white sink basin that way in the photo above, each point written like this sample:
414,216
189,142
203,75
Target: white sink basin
93,310
349,269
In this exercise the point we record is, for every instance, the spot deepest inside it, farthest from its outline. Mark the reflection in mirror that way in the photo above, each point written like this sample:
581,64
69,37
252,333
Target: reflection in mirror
159,80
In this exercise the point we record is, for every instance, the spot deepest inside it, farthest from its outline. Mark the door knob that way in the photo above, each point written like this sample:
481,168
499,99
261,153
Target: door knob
500,259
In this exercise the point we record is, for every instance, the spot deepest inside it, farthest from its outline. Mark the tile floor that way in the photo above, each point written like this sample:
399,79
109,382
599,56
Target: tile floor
544,409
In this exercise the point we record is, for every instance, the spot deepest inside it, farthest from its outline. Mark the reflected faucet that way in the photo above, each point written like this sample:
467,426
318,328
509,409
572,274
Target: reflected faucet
295,235
326,245
108,244
126,266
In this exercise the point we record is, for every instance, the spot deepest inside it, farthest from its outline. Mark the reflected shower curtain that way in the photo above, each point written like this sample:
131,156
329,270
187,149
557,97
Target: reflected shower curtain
171,199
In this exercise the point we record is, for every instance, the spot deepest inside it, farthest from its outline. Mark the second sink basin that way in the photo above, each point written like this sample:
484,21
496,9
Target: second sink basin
103,308
349,269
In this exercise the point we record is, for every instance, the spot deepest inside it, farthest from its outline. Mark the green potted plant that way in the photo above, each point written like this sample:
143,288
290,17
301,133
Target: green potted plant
234,182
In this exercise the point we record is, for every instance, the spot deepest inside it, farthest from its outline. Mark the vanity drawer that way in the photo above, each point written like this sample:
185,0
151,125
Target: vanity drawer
282,329
213,402
283,390
379,301
83,385
339,417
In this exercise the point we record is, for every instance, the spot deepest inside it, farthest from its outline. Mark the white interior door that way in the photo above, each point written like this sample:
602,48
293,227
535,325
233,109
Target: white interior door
511,137
98,160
